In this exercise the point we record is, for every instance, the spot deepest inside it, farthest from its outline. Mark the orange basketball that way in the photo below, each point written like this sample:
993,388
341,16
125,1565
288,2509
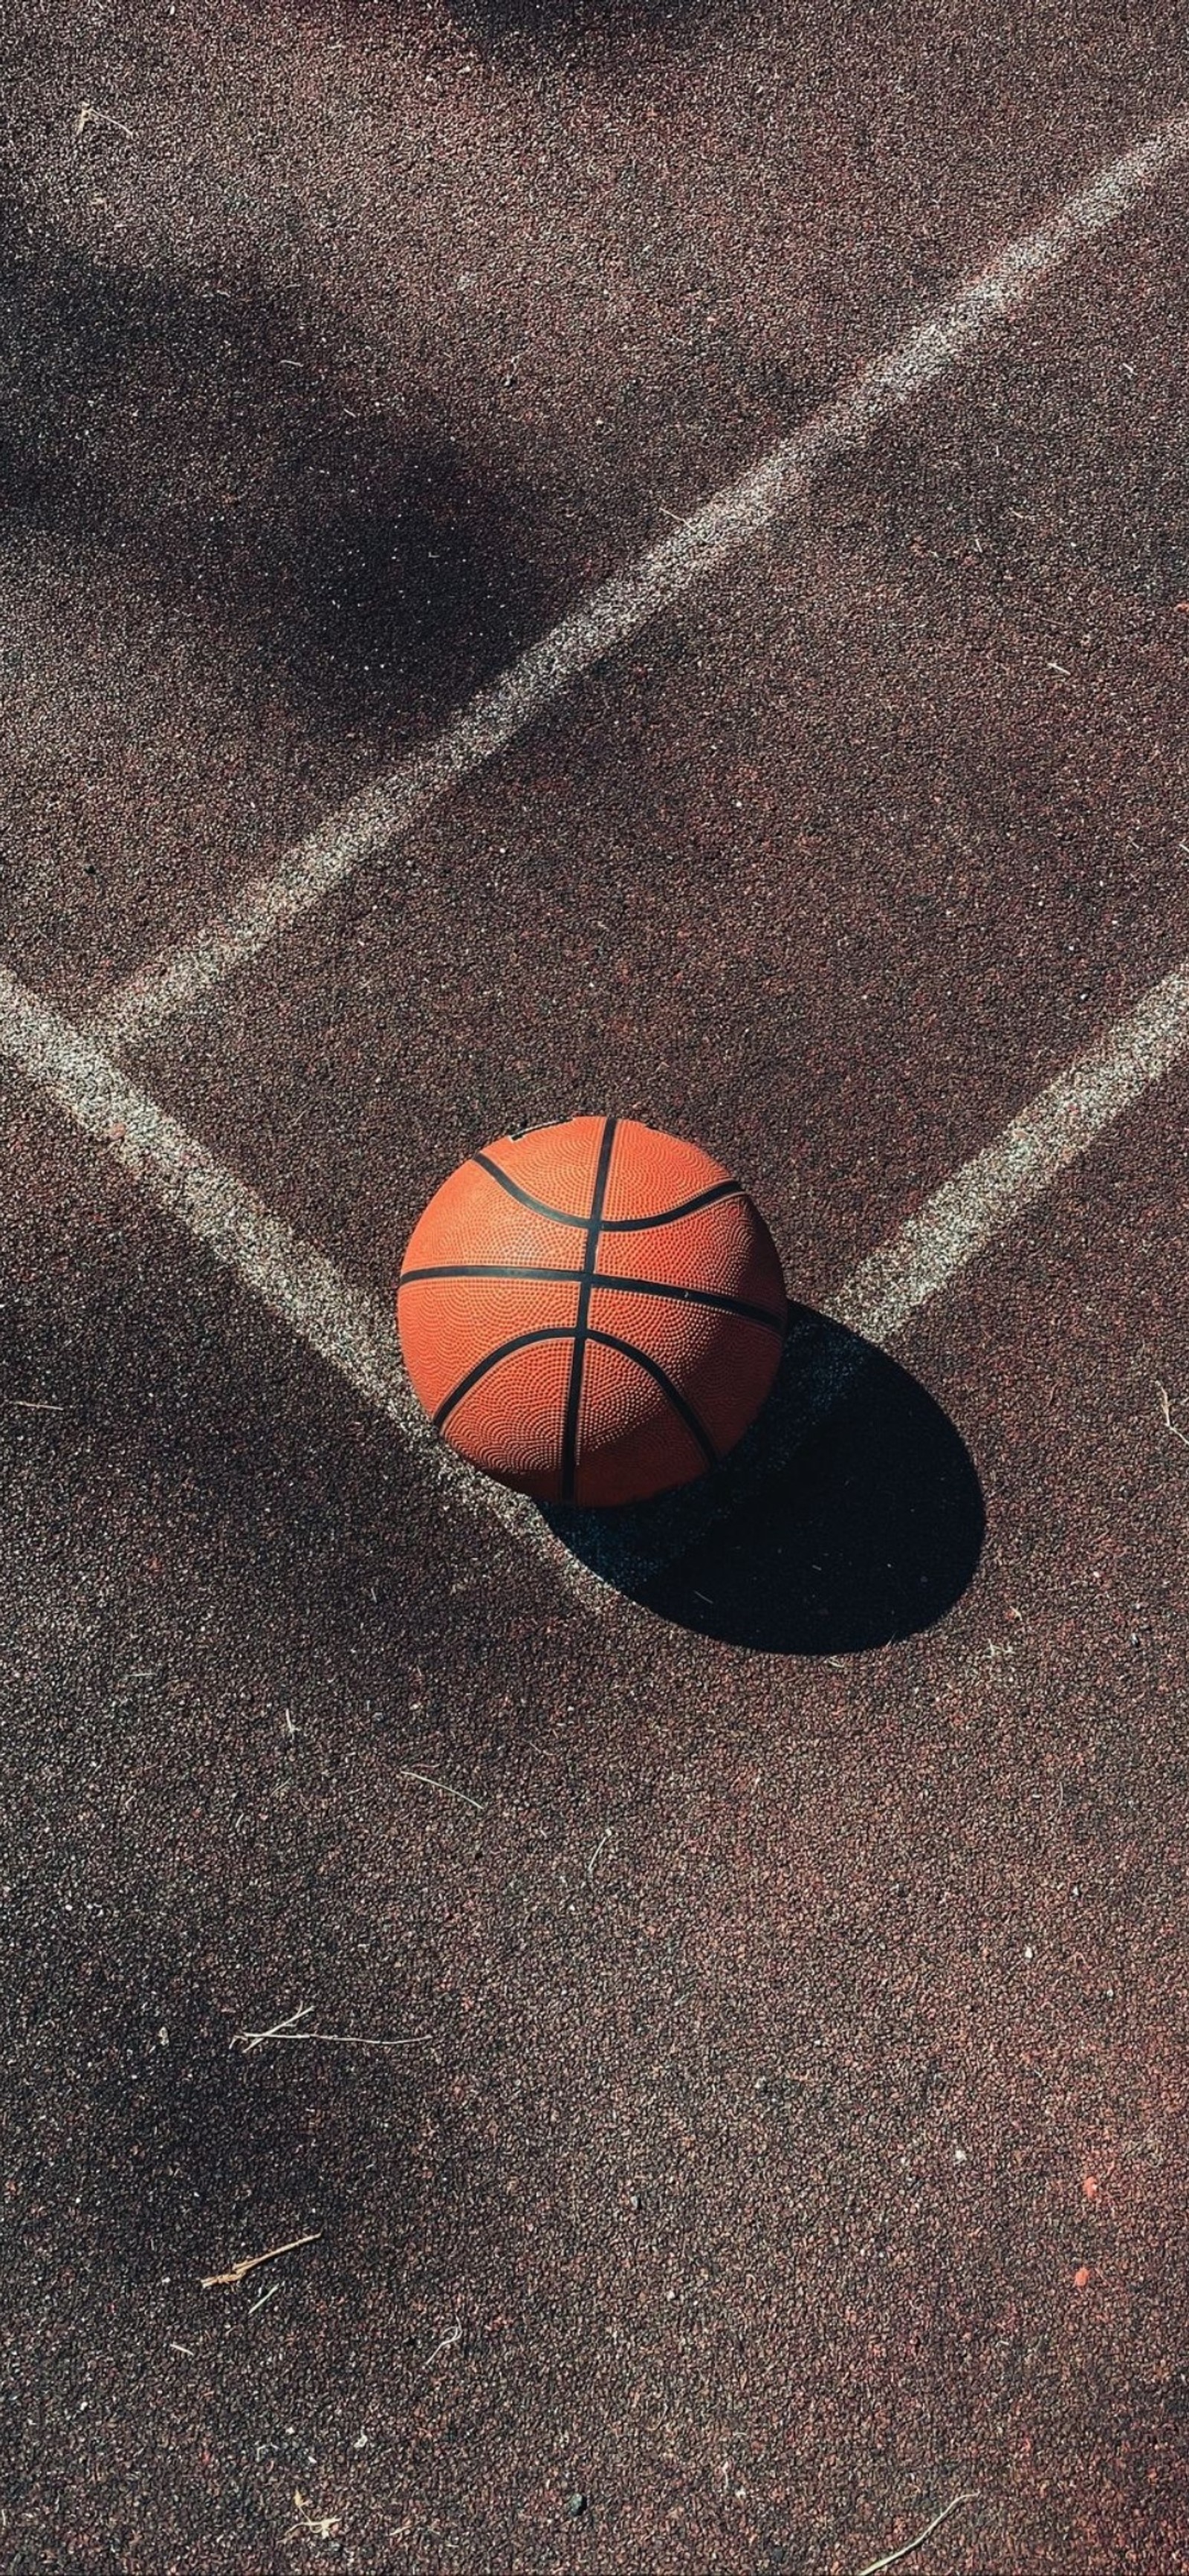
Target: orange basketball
591,1312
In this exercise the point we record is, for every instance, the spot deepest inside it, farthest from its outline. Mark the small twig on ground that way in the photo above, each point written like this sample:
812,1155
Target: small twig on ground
263,2300
282,2030
444,1789
89,115
604,1838
31,1404
310,2525
251,2262
249,2039
447,2343
1166,1410
906,2548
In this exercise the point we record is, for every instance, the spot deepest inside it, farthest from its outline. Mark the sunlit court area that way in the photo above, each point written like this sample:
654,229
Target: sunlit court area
594,1355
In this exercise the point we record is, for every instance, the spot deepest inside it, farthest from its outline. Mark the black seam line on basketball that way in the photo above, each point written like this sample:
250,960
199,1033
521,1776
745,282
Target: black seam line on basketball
610,1342
717,1297
685,1412
669,1216
491,1359
611,1224
560,1216
489,1270
590,1249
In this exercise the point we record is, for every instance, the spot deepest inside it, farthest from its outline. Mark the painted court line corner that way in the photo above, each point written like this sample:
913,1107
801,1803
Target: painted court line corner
351,1333
348,1330
182,978
933,1247
987,1194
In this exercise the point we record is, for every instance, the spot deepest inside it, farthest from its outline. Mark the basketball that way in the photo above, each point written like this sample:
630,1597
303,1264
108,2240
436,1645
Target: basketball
591,1312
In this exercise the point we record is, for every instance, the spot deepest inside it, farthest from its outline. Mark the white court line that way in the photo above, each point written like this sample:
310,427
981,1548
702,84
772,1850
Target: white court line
180,978
355,1335
932,1248
988,1194
352,1332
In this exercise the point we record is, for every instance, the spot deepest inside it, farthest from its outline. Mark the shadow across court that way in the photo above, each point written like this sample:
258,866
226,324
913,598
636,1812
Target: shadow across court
852,1514
356,549
595,28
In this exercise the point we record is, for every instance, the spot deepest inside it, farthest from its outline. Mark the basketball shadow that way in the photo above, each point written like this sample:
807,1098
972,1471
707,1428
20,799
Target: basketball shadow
852,1514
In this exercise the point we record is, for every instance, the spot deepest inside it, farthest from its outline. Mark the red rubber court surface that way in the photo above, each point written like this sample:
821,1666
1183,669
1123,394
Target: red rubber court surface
664,2050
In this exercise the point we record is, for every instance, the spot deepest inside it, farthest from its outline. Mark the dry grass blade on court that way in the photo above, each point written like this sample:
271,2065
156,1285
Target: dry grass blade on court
311,2525
247,2040
906,2548
443,1787
1166,1414
230,2280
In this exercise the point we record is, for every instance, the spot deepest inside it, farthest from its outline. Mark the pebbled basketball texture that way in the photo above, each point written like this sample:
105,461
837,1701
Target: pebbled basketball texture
592,1312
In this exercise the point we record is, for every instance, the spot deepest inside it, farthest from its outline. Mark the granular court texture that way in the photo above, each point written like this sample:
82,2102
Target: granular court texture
680,2076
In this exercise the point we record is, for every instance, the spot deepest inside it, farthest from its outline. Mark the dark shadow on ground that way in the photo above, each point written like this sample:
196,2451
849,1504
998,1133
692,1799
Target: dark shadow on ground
359,554
583,25
206,2148
851,1516
185,1409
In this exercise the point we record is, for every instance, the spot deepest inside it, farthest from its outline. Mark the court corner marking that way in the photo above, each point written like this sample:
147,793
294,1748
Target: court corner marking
186,976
